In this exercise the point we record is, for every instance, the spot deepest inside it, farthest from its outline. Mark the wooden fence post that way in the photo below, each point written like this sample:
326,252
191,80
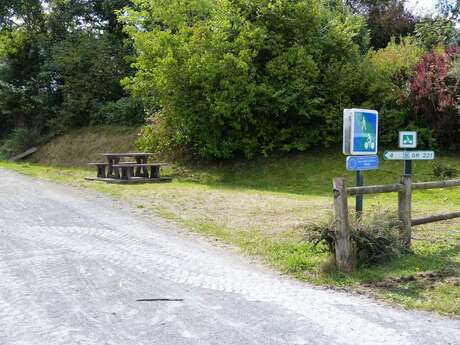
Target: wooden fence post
345,249
405,210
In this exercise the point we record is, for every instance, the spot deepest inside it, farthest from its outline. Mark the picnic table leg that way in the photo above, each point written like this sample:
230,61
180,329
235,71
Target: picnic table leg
101,171
125,173
110,170
145,169
116,170
155,172
138,169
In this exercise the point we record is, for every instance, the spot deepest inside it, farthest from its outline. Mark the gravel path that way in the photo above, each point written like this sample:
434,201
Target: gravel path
73,266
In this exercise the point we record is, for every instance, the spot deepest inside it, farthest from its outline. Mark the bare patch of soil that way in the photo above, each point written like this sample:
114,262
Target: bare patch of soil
422,280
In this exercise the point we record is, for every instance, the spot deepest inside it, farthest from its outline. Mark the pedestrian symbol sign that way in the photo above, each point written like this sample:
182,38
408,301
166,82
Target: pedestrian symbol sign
408,140
360,129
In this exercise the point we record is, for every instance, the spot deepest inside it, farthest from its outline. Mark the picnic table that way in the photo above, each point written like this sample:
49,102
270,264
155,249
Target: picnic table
134,171
114,159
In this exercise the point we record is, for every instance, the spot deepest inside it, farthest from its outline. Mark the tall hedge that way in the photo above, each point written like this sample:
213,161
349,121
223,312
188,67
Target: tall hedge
244,77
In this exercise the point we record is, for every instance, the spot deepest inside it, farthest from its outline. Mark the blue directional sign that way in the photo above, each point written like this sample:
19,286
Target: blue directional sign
360,132
360,163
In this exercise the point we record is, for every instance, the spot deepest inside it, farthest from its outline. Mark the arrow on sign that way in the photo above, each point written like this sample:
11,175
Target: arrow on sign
394,155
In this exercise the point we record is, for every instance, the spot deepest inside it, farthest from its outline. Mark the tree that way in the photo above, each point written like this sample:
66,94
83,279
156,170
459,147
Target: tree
387,74
449,9
435,91
385,19
245,77
438,31
61,62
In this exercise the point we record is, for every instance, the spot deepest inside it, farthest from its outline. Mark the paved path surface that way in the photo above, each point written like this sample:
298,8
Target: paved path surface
72,267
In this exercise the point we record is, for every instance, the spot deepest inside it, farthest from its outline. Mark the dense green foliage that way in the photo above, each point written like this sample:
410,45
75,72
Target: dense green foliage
432,32
386,19
60,66
386,74
227,78
246,77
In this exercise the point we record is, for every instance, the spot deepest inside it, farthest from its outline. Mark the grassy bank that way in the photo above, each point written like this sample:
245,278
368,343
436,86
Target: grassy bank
80,146
262,208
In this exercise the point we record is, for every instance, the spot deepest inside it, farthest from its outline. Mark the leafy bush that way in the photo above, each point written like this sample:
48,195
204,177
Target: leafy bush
159,138
439,31
433,95
89,72
444,171
59,63
376,236
385,19
127,111
245,77
388,71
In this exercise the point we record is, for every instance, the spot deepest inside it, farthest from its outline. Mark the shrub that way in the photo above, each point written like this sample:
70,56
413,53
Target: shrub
432,32
388,72
87,72
444,171
433,95
376,237
385,19
127,111
161,139
245,77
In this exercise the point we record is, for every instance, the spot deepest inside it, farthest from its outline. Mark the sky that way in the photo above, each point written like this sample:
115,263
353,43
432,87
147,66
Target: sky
421,6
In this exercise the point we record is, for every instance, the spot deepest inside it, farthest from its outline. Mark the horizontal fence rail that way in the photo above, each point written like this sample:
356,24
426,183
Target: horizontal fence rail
397,187
387,188
437,218
437,184
345,248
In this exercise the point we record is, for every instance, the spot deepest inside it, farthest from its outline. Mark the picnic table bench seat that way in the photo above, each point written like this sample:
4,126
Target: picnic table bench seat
127,170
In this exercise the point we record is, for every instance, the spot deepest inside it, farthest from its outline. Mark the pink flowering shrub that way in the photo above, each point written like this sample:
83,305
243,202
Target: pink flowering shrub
434,93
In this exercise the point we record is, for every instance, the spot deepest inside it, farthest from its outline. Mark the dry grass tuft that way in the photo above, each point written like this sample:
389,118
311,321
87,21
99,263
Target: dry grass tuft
239,210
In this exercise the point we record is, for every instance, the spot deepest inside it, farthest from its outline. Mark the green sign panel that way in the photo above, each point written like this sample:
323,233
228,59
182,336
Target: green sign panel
408,140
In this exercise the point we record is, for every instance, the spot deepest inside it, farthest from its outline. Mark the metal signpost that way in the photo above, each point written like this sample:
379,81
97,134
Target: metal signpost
360,142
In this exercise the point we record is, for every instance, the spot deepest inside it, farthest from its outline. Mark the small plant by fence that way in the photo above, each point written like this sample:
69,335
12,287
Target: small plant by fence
345,248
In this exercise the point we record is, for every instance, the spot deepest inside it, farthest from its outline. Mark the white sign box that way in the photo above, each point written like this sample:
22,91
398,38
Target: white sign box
408,140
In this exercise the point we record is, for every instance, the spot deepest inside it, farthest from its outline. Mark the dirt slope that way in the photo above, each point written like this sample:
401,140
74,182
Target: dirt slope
80,146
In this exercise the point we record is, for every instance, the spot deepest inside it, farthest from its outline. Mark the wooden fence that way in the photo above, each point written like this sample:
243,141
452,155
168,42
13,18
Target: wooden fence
345,250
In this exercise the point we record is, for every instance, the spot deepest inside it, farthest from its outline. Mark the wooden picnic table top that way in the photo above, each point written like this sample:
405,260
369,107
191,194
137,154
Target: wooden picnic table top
128,154
124,165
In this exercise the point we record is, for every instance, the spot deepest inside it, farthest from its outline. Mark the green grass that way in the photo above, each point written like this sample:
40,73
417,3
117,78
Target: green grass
262,207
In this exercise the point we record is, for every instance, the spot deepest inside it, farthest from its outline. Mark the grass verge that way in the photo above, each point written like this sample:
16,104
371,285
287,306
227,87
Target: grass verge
262,207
